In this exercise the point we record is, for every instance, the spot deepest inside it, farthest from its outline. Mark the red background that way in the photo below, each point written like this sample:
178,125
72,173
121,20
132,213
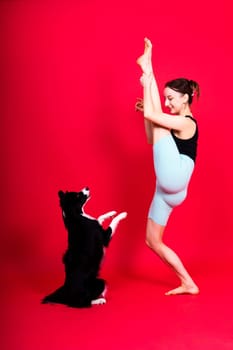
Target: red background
69,85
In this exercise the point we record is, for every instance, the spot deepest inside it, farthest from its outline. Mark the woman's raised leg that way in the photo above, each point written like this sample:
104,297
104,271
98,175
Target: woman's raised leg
151,98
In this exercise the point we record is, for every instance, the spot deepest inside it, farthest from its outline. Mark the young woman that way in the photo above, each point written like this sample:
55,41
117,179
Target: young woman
174,138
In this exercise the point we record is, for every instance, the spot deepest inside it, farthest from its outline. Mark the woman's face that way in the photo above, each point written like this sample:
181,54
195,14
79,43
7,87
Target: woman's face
175,100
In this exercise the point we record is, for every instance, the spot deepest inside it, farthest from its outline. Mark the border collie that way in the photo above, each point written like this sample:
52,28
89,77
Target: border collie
87,239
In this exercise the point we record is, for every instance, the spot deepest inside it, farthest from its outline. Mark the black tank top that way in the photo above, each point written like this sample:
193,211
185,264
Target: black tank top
188,146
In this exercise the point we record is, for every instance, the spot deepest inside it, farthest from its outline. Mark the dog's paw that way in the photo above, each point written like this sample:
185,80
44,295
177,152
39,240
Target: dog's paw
98,301
105,216
122,215
110,213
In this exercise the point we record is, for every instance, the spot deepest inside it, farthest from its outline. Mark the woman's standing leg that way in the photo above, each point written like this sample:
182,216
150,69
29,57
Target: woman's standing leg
154,239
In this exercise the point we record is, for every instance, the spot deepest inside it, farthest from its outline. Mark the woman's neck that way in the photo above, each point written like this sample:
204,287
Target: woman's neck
185,111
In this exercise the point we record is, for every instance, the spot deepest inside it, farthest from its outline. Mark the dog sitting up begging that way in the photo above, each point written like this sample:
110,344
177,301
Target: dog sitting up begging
82,260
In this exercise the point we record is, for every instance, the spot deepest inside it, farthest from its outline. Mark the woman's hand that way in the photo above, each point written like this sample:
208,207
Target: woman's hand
139,105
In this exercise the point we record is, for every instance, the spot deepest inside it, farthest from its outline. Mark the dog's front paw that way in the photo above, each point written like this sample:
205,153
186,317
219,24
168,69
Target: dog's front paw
105,216
110,213
122,216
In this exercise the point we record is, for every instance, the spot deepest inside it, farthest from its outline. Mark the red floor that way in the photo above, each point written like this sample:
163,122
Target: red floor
137,316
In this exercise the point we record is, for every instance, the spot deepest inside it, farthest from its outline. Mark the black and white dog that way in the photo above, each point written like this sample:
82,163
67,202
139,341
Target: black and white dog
87,240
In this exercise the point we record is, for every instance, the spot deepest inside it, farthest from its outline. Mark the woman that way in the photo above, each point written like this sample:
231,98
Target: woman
174,138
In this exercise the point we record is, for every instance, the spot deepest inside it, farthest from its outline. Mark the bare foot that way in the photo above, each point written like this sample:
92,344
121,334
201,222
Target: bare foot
184,290
144,61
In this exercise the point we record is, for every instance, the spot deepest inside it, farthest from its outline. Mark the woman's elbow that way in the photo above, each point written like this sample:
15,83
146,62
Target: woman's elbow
147,116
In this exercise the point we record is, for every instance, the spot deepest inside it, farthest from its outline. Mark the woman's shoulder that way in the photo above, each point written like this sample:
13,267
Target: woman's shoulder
191,117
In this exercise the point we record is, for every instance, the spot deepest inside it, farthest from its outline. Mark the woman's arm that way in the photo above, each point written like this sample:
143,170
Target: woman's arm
153,110
175,122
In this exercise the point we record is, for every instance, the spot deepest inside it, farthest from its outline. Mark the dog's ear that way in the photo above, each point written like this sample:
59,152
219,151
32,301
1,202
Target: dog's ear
61,194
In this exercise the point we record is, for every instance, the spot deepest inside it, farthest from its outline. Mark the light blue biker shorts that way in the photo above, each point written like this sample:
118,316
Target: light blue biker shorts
173,173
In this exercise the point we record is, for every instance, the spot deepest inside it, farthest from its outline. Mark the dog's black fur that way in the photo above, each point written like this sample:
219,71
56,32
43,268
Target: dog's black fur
86,242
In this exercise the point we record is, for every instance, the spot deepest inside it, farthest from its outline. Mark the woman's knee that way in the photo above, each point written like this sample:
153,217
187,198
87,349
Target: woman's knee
153,242
154,233
155,245
175,199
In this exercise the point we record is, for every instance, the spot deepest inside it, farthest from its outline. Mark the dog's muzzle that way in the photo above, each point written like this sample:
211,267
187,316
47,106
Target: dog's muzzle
86,191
